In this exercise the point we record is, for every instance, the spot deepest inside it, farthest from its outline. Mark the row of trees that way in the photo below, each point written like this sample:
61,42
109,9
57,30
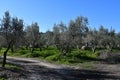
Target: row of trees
78,35
14,34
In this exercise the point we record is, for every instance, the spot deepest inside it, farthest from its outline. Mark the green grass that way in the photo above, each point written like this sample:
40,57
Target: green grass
52,54
11,66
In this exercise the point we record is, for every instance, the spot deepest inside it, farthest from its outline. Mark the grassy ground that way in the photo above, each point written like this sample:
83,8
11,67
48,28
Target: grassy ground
83,59
51,54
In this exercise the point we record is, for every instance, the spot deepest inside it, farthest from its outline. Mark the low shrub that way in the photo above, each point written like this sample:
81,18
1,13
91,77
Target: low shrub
22,52
47,53
34,54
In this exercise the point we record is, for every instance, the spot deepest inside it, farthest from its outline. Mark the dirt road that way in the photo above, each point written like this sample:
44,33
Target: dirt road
41,70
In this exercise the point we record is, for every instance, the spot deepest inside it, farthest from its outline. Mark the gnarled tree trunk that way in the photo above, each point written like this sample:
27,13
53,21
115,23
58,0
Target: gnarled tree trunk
4,55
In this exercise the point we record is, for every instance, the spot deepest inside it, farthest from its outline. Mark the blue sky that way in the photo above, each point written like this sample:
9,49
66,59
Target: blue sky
48,12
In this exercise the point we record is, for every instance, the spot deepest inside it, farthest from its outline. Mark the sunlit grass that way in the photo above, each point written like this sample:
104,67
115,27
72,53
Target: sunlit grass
11,66
52,54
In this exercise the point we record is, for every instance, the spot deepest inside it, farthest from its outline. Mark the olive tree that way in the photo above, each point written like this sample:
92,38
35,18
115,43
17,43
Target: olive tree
91,39
61,38
11,29
107,38
76,29
32,35
48,38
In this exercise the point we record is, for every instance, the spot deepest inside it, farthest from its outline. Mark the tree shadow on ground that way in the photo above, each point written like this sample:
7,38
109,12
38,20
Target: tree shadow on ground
73,74
37,72
87,74
12,73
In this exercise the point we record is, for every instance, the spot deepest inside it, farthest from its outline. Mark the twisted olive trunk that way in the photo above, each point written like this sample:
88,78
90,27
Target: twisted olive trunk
5,54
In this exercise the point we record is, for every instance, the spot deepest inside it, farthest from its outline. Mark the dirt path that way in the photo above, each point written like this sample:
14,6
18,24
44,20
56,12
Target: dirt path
41,70
38,70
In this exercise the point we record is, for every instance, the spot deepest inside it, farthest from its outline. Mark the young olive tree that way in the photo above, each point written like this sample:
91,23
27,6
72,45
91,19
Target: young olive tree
48,38
91,39
107,38
61,38
32,35
11,29
17,32
76,30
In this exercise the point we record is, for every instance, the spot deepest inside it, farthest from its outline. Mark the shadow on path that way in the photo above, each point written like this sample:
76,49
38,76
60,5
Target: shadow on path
39,72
